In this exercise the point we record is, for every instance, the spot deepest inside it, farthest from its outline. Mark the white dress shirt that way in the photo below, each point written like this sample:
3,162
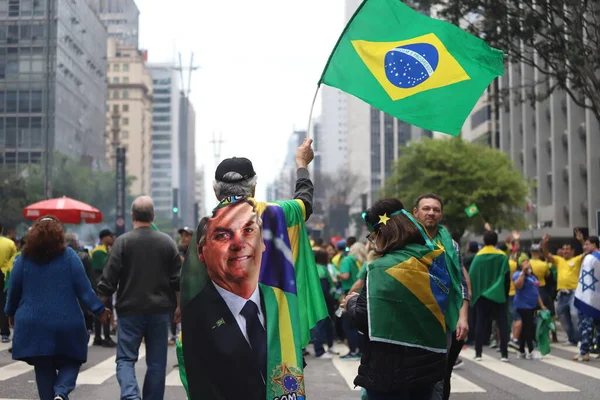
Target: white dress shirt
235,304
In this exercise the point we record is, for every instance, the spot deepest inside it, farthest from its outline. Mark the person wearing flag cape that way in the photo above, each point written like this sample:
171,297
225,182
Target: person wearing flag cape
250,292
401,310
587,297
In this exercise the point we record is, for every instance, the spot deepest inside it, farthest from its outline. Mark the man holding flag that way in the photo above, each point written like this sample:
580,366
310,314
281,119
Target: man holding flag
290,300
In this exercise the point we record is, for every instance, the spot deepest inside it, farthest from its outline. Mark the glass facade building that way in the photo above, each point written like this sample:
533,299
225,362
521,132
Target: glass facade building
52,81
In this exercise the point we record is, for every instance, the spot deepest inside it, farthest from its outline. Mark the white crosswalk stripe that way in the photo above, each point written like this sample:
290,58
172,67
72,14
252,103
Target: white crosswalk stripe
173,378
518,374
103,371
458,384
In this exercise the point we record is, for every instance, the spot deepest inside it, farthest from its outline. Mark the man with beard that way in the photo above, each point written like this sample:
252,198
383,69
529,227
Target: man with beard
428,211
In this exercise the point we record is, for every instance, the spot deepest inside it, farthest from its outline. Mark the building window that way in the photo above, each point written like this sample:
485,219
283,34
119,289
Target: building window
115,108
125,67
479,117
125,94
125,121
117,67
116,79
125,107
115,94
124,134
125,79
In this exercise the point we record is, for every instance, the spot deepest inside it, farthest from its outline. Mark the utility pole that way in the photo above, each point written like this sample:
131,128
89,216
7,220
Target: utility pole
217,147
48,157
120,172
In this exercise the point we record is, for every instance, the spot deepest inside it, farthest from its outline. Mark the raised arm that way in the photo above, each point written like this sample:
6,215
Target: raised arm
304,186
547,254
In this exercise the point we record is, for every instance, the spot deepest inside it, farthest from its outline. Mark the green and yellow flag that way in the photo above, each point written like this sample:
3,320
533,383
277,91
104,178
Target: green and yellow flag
407,293
488,271
472,210
424,71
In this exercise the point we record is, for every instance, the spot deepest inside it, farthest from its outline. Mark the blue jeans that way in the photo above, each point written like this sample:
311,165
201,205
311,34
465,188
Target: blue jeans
566,312
49,382
351,333
322,332
130,331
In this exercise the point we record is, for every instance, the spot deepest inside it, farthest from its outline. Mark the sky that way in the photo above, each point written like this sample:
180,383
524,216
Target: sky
259,61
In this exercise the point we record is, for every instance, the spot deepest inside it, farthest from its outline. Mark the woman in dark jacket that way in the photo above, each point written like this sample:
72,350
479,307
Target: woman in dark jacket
48,281
401,308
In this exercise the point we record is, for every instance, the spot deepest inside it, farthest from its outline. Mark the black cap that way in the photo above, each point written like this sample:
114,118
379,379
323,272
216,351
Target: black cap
186,229
241,165
104,233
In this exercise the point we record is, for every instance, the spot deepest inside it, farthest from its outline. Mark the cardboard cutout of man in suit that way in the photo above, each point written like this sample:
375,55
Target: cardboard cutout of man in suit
229,337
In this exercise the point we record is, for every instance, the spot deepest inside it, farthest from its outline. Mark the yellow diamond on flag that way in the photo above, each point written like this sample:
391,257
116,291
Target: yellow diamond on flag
412,66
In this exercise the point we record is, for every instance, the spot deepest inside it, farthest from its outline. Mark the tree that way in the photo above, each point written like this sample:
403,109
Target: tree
13,198
461,173
558,38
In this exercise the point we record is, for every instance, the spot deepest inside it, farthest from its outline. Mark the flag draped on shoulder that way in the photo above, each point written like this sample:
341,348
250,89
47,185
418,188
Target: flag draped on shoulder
587,295
421,70
291,292
407,296
488,273
444,240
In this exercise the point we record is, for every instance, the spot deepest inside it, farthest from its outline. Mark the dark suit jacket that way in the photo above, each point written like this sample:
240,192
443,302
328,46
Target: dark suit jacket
219,361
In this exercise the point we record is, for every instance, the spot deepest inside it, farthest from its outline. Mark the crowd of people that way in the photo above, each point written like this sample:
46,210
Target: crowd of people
405,300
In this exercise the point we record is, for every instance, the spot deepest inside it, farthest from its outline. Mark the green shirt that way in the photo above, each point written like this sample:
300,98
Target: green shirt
99,257
349,265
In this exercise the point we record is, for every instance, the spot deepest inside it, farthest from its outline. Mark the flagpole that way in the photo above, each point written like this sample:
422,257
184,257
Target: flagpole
312,106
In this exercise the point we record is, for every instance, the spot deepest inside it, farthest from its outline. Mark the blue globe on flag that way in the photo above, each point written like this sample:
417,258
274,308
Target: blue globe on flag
411,65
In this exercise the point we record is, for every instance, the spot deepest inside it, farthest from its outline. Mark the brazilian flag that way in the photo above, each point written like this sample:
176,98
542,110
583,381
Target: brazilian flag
408,295
472,210
424,71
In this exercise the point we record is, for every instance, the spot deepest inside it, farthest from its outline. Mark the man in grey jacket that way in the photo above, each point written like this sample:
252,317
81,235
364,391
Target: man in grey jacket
144,269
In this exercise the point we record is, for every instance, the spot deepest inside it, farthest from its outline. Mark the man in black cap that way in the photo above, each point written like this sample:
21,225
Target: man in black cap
236,177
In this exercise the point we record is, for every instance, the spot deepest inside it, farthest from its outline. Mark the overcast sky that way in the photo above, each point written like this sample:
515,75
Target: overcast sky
259,64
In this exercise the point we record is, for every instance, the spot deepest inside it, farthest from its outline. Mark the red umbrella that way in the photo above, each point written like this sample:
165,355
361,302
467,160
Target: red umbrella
67,210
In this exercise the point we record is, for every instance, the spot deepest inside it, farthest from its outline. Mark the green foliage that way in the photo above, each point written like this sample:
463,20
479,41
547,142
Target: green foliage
461,173
70,178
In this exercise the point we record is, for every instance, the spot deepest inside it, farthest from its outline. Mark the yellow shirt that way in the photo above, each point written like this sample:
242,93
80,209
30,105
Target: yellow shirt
513,268
567,272
336,259
541,269
8,251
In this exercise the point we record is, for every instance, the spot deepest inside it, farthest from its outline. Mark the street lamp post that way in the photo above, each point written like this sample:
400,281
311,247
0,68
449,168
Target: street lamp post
120,173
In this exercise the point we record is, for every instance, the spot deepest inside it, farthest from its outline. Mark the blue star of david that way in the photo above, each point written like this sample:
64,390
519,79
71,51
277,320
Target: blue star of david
590,286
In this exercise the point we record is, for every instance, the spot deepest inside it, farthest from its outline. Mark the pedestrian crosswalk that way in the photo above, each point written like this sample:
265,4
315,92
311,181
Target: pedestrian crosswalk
537,375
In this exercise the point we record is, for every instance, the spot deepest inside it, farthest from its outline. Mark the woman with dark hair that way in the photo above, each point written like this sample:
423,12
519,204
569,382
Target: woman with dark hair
47,281
401,308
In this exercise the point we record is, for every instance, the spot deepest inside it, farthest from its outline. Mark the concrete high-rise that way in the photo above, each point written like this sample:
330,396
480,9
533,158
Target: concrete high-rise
52,81
187,160
555,144
122,20
165,168
130,106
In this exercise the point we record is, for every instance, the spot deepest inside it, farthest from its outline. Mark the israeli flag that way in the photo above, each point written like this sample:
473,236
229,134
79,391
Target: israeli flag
587,295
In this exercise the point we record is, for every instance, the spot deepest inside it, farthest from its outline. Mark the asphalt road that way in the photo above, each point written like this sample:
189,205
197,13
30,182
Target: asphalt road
555,377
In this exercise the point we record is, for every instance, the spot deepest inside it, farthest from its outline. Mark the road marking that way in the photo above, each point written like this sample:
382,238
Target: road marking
100,373
173,378
458,384
14,369
565,347
518,374
574,366
348,370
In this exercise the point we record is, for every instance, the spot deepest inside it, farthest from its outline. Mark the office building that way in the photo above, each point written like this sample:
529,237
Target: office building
164,176
130,110
122,20
200,195
52,81
554,143
187,160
